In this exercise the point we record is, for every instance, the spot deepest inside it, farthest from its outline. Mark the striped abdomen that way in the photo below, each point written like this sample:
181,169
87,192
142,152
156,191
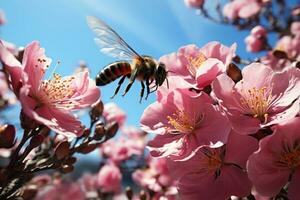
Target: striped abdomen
113,71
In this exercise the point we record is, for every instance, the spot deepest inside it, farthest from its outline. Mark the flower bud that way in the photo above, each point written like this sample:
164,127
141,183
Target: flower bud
111,129
97,110
86,132
7,136
99,132
280,54
143,195
70,161
296,11
236,59
36,141
85,149
67,169
129,193
62,150
29,192
26,122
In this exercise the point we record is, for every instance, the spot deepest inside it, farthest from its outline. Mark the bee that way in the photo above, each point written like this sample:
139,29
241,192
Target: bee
143,68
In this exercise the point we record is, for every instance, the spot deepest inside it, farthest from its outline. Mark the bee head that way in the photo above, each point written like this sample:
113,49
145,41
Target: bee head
160,74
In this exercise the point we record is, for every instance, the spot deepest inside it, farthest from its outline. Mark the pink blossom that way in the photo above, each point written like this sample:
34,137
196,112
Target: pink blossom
194,3
277,64
295,28
136,139
132,132
262,98
156,177
88,182
41,180
113,113
131,143
3,84
2,17
216,173
199,67
11,47
49,102
174,82
183,123
256,40
122,149
109,178
296,10
277,161
258,196
61,191
242,9
290,45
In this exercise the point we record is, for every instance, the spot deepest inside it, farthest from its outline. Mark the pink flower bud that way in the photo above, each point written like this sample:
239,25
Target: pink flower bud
256,40
295,28
194,3
109,178
259,31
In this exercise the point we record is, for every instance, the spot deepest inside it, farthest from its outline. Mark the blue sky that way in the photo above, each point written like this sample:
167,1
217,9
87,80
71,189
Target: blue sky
153,27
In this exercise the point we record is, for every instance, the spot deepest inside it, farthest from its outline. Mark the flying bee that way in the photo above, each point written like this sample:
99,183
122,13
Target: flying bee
143,68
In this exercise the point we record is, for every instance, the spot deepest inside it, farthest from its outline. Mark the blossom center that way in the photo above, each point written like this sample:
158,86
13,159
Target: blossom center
291,158
212,161
182,122
195,62
58,91
256,102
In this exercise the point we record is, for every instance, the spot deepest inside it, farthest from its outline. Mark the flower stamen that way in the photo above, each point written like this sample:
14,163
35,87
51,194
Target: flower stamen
195,62
59,91
184,123
257,102
290,158
212,161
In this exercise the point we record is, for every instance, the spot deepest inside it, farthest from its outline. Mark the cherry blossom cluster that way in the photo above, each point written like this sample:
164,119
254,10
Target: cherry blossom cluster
221,127
123,159
52,132
227,132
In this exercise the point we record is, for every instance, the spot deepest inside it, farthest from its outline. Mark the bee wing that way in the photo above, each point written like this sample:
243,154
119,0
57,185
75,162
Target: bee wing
109,41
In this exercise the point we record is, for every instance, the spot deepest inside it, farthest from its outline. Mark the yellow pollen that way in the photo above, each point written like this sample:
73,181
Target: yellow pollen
290,159
195,62
256,102
184,123
58,92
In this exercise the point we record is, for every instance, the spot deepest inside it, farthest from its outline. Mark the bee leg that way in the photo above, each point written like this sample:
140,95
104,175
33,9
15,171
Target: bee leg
148,88
131,81
128,87
119,85
142,91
